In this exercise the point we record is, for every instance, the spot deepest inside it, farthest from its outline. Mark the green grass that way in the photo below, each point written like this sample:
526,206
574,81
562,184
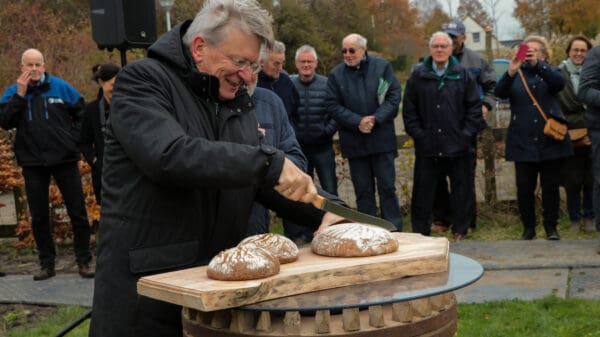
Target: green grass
55,323
549,317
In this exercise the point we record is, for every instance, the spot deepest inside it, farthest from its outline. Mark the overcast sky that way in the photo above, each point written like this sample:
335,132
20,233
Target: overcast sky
508,27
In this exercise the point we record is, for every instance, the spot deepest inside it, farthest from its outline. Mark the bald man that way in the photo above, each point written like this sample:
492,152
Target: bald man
45,110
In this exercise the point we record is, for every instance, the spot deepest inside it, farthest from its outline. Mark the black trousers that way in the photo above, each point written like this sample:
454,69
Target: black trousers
527,176
442,211
37,182
428,173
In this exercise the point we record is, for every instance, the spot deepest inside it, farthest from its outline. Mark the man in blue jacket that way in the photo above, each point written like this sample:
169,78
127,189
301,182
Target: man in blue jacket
313,124
45,110
363,96
277,131
442,113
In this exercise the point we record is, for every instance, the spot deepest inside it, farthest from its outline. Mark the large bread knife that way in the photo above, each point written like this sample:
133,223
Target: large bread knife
350,214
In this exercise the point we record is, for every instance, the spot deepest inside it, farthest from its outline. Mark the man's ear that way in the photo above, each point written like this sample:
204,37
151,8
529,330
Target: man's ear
198,48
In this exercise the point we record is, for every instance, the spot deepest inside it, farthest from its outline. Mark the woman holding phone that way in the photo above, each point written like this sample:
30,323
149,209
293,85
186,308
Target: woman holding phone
534,153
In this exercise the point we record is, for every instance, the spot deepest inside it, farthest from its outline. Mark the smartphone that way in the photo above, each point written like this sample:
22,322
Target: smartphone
522,52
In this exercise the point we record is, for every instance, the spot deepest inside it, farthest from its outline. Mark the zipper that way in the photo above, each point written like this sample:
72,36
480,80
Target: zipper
46,109
29,110
217,126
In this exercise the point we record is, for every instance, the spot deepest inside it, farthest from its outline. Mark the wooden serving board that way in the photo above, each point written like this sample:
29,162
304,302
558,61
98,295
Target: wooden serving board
191,288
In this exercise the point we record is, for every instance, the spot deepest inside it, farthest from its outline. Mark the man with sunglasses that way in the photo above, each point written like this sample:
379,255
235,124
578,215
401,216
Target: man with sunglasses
363,96
485,77
183,164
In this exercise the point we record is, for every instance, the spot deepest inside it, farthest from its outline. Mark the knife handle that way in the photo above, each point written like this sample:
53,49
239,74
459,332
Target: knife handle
318,202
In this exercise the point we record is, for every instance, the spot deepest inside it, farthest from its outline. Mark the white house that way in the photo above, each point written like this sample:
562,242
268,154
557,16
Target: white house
475,35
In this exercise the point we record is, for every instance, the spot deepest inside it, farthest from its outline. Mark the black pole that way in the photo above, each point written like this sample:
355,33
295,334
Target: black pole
74,324
123,56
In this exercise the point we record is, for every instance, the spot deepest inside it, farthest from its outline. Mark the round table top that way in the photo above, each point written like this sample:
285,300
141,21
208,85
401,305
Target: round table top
462,271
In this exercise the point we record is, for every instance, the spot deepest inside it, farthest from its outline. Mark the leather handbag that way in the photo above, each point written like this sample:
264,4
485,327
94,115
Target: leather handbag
553,128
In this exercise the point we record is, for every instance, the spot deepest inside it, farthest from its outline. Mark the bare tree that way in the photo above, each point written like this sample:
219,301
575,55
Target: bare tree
494,14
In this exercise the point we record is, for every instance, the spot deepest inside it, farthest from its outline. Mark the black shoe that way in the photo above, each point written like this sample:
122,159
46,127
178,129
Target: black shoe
2,274
528,234
45,273
552,235
86,271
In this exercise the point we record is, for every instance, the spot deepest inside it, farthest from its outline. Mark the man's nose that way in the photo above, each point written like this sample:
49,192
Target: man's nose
245,74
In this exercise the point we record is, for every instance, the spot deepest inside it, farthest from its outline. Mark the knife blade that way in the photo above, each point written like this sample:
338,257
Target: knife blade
350,214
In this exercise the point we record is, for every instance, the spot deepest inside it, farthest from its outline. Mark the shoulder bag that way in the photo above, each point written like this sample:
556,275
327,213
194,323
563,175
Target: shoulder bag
553,128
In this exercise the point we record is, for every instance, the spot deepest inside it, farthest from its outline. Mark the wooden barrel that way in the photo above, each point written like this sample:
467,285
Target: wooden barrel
433,316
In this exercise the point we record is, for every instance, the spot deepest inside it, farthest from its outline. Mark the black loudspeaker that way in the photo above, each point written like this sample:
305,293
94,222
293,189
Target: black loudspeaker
123,24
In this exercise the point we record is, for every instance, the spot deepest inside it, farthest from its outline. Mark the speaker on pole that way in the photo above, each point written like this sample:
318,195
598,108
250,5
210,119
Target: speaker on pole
123,24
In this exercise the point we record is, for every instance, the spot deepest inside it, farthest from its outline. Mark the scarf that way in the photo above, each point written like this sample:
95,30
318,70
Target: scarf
574,71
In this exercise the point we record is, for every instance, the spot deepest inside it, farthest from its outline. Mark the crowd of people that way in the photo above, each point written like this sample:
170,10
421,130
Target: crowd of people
191,146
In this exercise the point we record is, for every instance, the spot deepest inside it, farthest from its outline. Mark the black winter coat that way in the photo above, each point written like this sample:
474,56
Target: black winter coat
181,172
442,114
589,88
525,138
352,94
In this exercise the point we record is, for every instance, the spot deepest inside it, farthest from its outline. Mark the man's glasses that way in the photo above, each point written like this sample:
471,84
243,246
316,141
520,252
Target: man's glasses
577,50
239,63
349,50
439,46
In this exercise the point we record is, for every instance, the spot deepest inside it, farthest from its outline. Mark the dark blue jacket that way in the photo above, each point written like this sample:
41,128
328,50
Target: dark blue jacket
589,88
442,113
47,122
352,95
314,125
279,133
283,87
525,139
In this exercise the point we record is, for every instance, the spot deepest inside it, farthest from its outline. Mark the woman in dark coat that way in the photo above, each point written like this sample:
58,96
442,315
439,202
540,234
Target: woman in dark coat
94,120
534,153
577,171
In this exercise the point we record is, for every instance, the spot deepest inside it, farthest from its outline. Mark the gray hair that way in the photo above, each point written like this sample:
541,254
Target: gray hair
29,51
306,49
217,16
442,34
360,40
277,47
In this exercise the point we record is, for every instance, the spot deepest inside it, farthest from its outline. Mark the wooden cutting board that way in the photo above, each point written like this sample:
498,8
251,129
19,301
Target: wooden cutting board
191,288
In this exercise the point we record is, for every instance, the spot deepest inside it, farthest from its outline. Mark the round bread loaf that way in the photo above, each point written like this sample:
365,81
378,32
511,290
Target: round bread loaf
242,263
353,239
281,247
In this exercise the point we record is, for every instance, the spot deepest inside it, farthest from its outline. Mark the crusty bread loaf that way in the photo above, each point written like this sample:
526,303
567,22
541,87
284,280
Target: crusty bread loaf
242,263
280,246
353,239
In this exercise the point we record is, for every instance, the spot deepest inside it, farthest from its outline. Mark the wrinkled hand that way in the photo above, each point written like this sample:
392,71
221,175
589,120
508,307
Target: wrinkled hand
366,124
328,220
294,184
23,82
514,66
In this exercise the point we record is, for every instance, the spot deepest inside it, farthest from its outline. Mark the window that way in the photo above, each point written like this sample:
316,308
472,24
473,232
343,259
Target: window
476,37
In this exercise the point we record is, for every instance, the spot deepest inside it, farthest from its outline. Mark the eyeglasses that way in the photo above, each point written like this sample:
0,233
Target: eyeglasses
577,50
239,63
439,46
349,50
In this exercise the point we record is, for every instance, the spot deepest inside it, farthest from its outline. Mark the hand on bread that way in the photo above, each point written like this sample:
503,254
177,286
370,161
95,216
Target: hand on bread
328,220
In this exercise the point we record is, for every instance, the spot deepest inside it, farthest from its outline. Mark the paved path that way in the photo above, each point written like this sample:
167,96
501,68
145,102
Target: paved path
513,270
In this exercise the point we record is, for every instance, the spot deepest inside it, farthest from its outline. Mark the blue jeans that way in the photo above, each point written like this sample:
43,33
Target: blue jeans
324,163
380,169
595,138
574,204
